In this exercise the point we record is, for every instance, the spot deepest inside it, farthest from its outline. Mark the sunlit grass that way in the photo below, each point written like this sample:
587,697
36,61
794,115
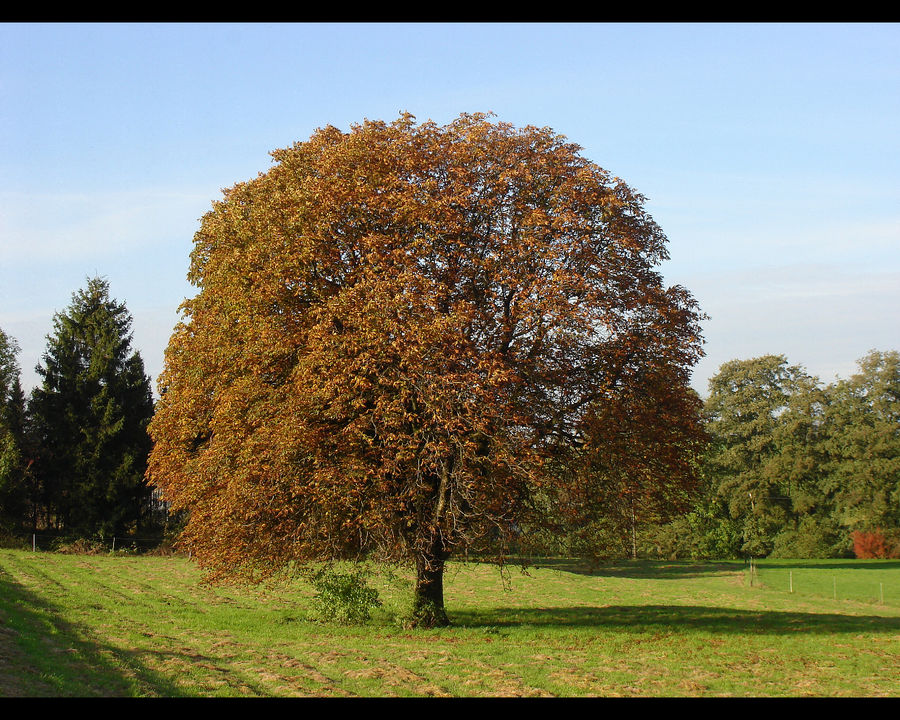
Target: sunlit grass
875,582
144,626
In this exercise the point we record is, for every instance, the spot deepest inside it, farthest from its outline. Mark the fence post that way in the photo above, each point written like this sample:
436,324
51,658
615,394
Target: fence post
33,542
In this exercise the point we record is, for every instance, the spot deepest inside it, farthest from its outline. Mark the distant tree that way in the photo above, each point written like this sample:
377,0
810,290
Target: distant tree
90,418
13,460
862,478
404,336
9,365
762,416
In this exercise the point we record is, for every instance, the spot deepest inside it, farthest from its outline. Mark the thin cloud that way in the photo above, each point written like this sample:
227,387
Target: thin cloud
77,226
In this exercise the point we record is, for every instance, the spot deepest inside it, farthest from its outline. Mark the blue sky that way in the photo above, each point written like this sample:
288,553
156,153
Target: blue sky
769,154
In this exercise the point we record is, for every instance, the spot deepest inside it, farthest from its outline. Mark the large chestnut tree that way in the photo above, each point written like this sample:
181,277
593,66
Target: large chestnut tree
412,340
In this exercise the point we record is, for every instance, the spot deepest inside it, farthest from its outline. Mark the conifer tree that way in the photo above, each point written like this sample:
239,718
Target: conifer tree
90,418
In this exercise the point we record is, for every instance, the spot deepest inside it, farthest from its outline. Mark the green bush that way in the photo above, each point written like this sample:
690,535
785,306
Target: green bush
343,597
812,537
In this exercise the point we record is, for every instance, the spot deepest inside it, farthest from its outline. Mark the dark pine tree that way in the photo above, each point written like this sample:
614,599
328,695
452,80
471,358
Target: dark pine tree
90,418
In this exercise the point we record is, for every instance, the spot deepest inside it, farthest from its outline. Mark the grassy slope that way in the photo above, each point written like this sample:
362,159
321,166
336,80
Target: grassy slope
144,626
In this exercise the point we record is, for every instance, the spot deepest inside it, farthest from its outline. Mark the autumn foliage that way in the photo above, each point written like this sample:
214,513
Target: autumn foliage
411,340
874,545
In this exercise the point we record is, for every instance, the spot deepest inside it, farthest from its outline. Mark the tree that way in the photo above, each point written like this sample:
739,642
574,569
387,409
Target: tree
636,469
863,444
13,462
90,418
404,336
763,417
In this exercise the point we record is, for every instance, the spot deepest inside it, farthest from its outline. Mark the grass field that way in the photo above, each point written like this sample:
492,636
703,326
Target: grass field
117,625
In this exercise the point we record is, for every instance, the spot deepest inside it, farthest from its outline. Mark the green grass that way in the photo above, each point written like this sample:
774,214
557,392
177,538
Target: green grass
866,581
147,626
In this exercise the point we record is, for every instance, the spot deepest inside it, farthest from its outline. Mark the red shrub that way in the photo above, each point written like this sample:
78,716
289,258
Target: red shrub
873,545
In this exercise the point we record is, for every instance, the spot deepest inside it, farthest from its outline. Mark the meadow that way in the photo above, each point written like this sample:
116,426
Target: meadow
119,625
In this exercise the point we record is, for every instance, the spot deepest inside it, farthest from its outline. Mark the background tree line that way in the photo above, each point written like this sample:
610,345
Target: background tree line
793,467
74,453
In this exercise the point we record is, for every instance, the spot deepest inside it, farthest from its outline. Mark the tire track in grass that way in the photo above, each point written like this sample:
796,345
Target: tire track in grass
61,652
131,612
309,679
18,676
194,659
496,676
396,676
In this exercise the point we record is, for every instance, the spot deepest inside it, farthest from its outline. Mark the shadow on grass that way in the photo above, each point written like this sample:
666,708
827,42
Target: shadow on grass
678,619
45,655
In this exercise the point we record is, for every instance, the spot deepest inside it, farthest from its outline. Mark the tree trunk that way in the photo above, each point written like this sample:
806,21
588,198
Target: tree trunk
633,534
428,602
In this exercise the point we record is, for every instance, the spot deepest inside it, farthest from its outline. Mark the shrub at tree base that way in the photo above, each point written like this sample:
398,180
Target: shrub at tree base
343,597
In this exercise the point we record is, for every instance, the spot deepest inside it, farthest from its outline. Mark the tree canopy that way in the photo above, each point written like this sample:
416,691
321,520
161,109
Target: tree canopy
413,340
761,416
862,444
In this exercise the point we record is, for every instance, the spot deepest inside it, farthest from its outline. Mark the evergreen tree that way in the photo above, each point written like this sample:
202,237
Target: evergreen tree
90,418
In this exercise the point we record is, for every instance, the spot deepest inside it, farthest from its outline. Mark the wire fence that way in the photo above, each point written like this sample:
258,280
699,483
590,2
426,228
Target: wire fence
874,583
113,544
